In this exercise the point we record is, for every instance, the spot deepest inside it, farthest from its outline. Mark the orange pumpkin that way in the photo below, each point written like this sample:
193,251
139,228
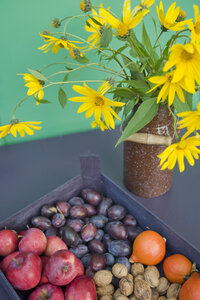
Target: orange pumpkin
148,248
176,267
190,290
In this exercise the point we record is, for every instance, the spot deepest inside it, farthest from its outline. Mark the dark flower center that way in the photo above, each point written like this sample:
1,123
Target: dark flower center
99,101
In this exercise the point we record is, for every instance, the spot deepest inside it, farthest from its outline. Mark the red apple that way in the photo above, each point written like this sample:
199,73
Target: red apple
80,267
8,241
81,288
47,291
54,243
44,278
24,271
5,262
62,267
34,240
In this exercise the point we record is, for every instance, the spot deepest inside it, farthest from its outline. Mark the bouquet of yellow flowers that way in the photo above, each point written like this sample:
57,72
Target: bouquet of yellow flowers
142,76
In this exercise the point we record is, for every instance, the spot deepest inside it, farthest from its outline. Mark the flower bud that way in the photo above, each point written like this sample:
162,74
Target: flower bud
14,121
64,38
110,80
85,5
46,32
56,23
75,53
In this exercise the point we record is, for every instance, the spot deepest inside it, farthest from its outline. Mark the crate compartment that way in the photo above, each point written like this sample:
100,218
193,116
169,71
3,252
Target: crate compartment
91,177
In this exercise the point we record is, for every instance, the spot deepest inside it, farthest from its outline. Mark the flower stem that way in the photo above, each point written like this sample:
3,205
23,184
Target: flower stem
70,19
81,39
18,105
72,82
89,66
175,122
158,38
156,31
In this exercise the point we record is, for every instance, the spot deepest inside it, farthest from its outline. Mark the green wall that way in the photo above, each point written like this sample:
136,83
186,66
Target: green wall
20,23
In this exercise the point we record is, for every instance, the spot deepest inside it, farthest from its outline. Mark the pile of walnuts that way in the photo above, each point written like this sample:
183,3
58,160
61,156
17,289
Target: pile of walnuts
142,283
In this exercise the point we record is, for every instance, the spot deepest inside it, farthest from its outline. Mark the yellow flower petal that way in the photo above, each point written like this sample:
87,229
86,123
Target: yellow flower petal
181,161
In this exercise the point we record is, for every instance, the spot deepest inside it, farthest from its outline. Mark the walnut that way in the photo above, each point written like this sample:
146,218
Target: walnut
119,270
163,285
102,277
137,268
155,294
140,276
142,290
120,297
105,290
173,290
126,286
106,297
152,276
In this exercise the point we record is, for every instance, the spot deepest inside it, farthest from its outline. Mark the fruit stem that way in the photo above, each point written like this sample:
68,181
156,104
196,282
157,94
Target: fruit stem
16,261
65,268
131,261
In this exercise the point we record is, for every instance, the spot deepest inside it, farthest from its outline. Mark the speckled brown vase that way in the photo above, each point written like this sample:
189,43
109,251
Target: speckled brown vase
142,176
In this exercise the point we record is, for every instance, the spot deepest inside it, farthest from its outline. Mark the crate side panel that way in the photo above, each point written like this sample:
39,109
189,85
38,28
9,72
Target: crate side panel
64,192
6,290
146,220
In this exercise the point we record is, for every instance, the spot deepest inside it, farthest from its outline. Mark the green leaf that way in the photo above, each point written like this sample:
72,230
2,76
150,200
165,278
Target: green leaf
37,75
144,114
68,68
121,48
166,50
180,106
133,53
62,97
130,64
95,21
66,77
43,101
129,107
83,60
139,85
88,24
106,37
124,92
145,39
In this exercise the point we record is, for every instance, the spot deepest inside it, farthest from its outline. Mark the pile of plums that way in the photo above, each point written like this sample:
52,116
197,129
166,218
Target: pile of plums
96,230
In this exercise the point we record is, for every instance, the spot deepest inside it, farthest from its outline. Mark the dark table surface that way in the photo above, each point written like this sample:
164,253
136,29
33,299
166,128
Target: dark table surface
30,170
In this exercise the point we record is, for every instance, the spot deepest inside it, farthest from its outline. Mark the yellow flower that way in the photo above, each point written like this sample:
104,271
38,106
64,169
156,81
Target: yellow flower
85,5
21,127
95,28
186,58
170,20
129,19
57,44
176,152
195,27
94,102
145,4
169,88
35,86
101,125
191,120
